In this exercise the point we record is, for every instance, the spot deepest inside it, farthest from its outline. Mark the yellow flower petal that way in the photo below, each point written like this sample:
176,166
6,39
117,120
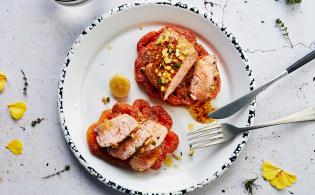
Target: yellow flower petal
3,80
283,180
15,146
17,109
277,177
269,170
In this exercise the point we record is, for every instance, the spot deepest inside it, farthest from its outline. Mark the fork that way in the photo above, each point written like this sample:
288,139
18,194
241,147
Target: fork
219,133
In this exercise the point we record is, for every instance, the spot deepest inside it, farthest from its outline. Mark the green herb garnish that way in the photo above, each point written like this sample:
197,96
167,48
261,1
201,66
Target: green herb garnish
177,65
159,81
36,121
25,83
293,1
67,168
284,30
249,184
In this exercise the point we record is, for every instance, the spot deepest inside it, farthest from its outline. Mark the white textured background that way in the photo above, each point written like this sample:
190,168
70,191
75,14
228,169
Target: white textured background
35,35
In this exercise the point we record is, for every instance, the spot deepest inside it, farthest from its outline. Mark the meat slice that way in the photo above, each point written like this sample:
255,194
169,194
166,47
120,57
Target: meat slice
203,78
113,131
129,146
180,75
142,161
171,59
157,133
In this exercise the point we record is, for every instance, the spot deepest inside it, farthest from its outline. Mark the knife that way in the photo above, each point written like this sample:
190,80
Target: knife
236,105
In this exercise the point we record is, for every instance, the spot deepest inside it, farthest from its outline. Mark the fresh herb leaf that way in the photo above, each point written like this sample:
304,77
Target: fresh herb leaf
249,184
293,1
177,65
67,168
36,121
159,81
284,30
25,83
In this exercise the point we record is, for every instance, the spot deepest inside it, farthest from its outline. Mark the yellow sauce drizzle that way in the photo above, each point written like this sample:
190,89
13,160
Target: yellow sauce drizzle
200,110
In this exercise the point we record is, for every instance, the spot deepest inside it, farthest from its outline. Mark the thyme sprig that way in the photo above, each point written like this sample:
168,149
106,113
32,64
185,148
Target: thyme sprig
25,83
249,184
293,1
36,121
67,168
284,30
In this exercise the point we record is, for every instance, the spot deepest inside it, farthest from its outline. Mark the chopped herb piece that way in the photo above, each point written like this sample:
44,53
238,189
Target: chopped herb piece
223,191
23,128
249,184
262,21
106,100
177,65
25,83
293,1
291,192
313,79
67,168
284,30
36,121
159,81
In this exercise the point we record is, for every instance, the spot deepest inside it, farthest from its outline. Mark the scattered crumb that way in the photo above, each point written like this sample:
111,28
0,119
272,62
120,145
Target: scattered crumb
106,100
291,192
245,1
191,152
302,85
47,164
168,161
223,191
191,126
245,157
313,79
109,47
23,128
262,21
21,164
176,156
140,28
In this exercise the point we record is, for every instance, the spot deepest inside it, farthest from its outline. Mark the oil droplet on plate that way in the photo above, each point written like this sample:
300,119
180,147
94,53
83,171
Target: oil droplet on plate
200,110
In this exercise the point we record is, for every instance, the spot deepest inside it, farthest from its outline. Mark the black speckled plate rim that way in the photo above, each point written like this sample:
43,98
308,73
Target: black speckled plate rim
206,16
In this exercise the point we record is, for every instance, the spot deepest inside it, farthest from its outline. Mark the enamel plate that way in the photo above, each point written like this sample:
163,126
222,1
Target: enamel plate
108,47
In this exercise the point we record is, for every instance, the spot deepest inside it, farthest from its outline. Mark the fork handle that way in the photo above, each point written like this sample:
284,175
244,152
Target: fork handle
302,116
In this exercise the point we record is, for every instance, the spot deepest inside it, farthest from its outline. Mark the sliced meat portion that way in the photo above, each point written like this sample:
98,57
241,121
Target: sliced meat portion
203,78
180,75
129,146
142,161
157,134
113,131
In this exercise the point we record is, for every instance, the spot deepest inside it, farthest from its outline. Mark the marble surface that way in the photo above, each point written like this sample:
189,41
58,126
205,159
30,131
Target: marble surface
35,35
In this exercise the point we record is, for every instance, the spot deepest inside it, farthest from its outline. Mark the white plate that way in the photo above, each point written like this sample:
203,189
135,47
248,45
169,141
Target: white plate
108,47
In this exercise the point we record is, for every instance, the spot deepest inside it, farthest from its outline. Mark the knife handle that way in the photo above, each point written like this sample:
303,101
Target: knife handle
301,62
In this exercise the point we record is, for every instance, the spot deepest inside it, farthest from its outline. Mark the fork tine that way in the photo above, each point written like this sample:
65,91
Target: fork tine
212,132
208,139
203,129
218,141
